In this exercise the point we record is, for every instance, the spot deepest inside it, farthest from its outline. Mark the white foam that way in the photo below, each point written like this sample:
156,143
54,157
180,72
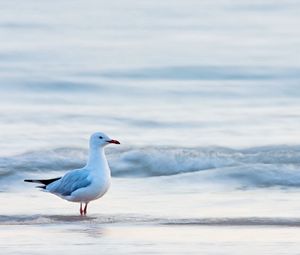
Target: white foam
268,166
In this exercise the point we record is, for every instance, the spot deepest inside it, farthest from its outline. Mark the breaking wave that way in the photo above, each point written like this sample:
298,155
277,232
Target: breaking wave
263,166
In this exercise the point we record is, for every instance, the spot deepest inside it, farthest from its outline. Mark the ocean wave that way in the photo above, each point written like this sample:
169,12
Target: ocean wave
142,219
44,160
263,166
204,73
244,176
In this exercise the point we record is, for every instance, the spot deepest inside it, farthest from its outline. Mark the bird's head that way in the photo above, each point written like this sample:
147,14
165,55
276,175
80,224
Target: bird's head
99,139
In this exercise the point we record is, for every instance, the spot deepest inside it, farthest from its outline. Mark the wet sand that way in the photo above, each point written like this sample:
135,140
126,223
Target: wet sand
101,234
151,222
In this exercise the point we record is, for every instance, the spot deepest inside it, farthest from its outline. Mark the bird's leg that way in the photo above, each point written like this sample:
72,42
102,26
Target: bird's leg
81,210
85,208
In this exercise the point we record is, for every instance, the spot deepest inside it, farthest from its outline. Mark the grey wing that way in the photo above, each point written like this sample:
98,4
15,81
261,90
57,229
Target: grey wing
72,181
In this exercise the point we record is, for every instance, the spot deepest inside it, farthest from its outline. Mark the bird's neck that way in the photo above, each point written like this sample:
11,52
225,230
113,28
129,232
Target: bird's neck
97,160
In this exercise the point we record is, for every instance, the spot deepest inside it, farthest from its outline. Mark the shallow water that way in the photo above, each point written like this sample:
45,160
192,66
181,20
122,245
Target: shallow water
213,221
140,220
150,239
204,97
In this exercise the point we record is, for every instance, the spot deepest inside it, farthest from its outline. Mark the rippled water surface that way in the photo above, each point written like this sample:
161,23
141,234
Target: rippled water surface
204,97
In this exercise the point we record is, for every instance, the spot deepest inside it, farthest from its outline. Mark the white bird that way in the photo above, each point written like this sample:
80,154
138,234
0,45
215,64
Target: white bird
85,184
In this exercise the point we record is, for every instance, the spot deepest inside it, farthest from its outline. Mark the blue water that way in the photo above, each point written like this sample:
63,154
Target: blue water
185,86
204,98
190,73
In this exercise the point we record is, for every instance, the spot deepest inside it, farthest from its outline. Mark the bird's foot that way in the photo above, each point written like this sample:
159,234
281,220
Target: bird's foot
81,210
85,209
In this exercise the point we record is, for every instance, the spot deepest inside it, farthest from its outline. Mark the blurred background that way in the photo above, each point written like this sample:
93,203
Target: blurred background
184,73
204,96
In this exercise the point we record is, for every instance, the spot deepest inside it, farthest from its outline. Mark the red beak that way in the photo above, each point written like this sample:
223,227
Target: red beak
114,141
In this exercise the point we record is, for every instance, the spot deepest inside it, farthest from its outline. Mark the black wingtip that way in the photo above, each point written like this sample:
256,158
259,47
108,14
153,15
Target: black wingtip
45,182
41,187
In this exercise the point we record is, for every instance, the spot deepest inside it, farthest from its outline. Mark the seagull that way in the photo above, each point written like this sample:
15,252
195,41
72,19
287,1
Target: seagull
85,184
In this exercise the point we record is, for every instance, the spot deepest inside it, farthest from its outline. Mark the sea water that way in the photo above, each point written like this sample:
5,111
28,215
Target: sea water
204,98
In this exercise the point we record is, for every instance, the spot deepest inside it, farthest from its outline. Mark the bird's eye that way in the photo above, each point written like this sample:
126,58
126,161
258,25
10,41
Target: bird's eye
100,137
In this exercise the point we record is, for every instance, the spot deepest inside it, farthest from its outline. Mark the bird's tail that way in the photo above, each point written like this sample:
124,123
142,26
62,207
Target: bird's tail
44,182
